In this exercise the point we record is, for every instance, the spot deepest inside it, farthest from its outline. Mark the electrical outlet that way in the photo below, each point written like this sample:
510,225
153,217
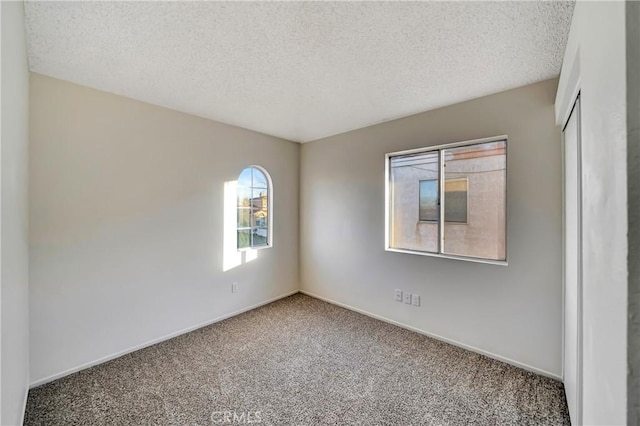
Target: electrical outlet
407,298
234,287
415,299
398,295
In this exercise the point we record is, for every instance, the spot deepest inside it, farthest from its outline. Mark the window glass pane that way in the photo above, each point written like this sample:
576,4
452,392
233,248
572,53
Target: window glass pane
475,200
260,237
244,197
259,179
244,218
429,207
244,238
409,205
259,199
260,216
244,179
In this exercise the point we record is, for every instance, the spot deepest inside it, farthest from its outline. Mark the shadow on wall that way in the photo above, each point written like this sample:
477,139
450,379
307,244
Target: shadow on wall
231,256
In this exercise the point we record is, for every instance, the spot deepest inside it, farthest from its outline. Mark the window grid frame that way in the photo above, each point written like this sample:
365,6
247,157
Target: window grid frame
269,197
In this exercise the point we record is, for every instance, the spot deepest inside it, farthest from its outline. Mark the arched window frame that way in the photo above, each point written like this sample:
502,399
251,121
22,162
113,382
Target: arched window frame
269,209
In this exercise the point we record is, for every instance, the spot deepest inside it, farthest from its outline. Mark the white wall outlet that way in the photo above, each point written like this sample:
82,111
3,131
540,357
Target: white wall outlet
415,299
398,295
407,298
234,287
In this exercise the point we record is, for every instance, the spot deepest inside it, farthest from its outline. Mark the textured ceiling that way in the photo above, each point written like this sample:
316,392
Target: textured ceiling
299,70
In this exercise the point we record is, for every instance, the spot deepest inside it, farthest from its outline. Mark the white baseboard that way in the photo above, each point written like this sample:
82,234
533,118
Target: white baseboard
154,341
266,302
437,337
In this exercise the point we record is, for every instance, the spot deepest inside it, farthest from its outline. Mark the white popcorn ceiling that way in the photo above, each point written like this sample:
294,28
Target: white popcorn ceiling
299,70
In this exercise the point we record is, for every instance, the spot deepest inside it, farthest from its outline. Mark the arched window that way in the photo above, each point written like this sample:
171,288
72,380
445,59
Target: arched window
254,208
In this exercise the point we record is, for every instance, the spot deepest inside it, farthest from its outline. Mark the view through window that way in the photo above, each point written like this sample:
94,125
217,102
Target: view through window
464,183
253,208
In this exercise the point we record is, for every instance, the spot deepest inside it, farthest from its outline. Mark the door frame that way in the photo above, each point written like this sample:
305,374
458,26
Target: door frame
575,106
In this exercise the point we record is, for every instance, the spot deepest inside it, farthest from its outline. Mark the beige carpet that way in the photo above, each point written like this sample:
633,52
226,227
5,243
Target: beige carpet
300,361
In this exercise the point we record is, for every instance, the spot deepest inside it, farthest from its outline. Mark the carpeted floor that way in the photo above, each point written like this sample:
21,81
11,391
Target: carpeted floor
300,361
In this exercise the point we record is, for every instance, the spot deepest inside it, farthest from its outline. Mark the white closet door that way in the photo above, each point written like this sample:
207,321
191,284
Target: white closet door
573,264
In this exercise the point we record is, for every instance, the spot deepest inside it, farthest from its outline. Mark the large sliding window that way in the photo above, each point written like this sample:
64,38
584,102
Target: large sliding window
449,200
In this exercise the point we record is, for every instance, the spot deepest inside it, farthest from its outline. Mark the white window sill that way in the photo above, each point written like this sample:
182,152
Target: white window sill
449,256
255,248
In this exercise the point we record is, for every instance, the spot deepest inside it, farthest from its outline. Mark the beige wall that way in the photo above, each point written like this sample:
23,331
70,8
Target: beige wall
512,312
127,224
14,296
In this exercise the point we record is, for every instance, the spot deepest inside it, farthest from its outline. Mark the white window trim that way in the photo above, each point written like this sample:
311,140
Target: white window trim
387,199
269,212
